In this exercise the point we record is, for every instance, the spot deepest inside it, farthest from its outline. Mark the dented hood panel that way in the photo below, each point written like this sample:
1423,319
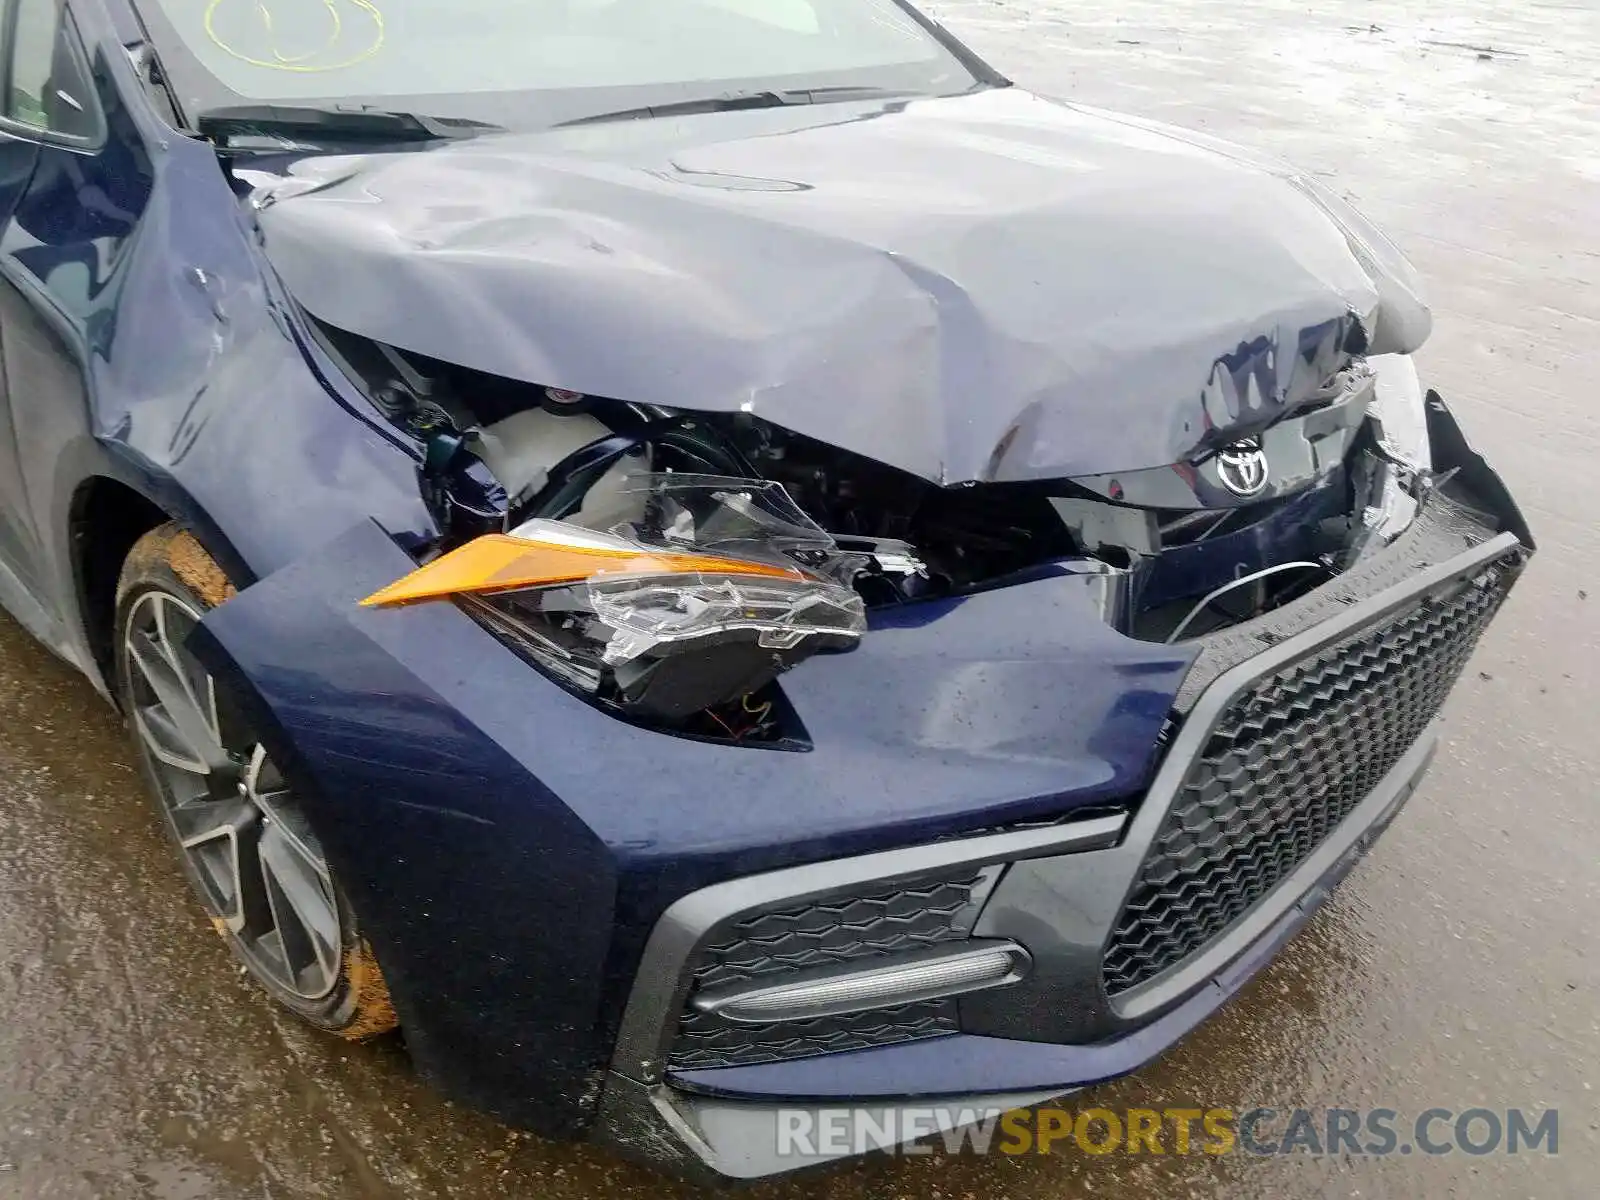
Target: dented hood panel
989,287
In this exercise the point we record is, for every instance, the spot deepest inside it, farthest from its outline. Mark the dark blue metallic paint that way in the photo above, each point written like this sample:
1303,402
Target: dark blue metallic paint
516,808
966,1064
145,344
508,846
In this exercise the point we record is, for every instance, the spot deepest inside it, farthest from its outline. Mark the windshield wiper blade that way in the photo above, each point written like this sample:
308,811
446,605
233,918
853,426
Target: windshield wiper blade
734,101
224,125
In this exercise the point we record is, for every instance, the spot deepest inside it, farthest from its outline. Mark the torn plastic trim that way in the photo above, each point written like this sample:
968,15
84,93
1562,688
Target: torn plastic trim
1399,412
1398,476
1467,478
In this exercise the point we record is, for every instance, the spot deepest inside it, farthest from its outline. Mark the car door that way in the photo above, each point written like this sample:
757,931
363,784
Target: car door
50,126
29,33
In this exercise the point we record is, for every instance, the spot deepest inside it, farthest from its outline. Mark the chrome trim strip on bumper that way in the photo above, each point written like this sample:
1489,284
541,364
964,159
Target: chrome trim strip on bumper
952,970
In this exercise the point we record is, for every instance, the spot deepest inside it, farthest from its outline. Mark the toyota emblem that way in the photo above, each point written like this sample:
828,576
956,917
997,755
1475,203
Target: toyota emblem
1243,467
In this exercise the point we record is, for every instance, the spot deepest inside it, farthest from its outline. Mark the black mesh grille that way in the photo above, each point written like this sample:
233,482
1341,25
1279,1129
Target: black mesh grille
1287,761
848,928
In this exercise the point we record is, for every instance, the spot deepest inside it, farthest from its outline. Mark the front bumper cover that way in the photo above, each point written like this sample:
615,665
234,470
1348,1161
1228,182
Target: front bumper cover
1061,896
531,913
691,1124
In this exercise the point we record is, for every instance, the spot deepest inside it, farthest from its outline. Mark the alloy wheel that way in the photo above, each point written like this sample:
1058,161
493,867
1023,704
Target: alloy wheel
260,869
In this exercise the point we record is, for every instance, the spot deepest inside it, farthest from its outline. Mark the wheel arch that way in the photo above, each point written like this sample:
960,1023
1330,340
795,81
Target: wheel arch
107,509
104,521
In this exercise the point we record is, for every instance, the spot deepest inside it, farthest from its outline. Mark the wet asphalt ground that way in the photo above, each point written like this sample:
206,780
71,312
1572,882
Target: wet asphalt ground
1457,966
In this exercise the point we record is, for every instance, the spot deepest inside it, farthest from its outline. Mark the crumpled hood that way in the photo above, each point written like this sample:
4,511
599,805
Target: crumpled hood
988,287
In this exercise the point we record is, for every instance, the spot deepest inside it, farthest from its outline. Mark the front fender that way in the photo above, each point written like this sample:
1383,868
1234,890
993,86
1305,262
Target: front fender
488,902
509,847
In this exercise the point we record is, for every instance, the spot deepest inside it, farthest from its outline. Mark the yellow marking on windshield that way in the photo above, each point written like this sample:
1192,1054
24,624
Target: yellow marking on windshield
301,63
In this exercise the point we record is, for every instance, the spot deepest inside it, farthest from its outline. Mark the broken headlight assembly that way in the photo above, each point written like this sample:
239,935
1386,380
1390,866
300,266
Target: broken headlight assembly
677,607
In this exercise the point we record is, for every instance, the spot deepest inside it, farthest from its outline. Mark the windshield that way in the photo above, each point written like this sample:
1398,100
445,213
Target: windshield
522,63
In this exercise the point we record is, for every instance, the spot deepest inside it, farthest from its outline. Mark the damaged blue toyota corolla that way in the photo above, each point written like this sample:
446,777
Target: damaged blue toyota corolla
701,557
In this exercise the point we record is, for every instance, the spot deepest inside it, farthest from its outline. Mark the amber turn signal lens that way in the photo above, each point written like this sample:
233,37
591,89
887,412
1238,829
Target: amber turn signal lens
499,562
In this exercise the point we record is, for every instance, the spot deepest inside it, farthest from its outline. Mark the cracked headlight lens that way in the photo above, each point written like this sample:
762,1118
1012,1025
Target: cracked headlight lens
698,593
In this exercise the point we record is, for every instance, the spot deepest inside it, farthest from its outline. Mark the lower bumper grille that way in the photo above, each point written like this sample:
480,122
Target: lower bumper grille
850,928
1288,760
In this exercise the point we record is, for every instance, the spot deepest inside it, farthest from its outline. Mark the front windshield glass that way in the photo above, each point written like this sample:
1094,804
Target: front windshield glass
521,62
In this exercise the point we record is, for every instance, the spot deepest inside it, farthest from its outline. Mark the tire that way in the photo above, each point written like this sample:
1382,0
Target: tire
241,834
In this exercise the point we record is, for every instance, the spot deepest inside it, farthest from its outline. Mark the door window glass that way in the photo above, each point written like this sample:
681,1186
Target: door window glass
49,89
